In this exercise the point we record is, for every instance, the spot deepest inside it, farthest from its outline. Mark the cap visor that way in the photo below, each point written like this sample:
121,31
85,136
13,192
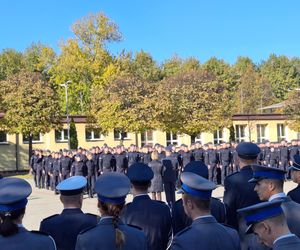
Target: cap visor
253,180
249,229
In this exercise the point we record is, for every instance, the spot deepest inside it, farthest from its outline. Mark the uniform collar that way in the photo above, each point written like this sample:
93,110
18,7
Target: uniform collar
283,237
71,211
276,196
108,220
141,197
204,219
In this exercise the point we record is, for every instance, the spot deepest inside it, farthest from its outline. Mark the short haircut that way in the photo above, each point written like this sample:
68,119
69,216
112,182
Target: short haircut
203,205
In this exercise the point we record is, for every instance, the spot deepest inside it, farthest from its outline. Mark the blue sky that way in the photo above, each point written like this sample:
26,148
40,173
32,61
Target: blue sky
200,28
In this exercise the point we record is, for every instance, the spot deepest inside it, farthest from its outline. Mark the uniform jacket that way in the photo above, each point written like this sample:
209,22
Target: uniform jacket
170,167
121,162
206,233
25,240
153,217
65,227
102,237
295,194
66,164
106,162
198,154
289,243
180,220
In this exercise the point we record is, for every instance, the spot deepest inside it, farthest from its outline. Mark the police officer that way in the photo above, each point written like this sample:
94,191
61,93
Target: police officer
153,217
91,174
132,155
179,219
205,232
78,167
46,166
145,155
161,152
284,156
293,150
38,163
65,227
269,187
267,152
198,152
186,156
238,193
66,164
32,164
267,221
106,161
225,159
295,176
13,200
111,232
121,160
56,170
170,167
212,163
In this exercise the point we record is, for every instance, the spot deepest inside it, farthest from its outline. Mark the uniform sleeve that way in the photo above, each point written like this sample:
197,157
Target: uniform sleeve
177,245
230,203
79,244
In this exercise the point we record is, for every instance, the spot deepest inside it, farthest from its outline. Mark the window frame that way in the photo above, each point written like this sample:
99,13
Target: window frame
62,135
237,128
260,138
6,137
218,139
146,141
172,141
92,130
33,141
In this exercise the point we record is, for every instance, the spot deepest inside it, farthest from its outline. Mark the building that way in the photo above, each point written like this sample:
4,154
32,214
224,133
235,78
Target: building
256,127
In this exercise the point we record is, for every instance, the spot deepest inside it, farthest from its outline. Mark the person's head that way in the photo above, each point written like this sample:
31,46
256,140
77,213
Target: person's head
56,155
79,150
266,220
65,152
89,155
154,155
196,193
283,143
77,158
112,189
71,191
13,200
295,169
210,145
268,181
140,176
247,153
168,151
198,145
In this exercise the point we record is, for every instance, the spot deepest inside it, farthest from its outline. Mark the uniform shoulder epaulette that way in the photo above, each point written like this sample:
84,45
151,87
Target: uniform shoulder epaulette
183,231
39,232
139,228
216,199
54,215
87,229
226,225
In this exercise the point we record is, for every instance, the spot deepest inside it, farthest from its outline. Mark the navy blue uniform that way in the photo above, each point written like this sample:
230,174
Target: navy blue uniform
121,162
79,168
198,154
47,168
284,158
145,158
295,194
206,233
133,157
186,157
239,194
180,220
153,217
102,237
91,177
212,164
39,171
288,243
170,167
56,168
106,163
66,164
25,240
65,227
225,159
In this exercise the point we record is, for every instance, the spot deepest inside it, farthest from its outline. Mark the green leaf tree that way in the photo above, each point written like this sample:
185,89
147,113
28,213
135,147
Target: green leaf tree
11,62
30,105
292,109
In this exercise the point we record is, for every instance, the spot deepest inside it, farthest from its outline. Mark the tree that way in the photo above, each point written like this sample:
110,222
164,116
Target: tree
85,60
124,105
11,62
292,109
253,92
30,105
73,135
172,66
191,102
282,74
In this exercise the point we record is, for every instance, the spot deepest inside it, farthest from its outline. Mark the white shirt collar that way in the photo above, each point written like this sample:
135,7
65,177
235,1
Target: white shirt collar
203,216
140,195
106,217
283,237
20,225
279,195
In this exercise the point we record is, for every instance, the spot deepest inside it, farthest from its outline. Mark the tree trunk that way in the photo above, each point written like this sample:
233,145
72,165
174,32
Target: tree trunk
136,139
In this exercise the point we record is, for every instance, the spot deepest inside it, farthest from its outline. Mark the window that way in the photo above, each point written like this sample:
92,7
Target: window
35,138
117,135
280,132
147,138
172,138
261,132
218,136
197,138
3,137
61,136
240,134
93,134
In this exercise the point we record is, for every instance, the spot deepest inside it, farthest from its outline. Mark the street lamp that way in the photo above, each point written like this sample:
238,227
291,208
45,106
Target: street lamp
65,85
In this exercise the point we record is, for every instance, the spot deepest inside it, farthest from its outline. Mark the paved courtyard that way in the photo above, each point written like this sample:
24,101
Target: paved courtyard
43,203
